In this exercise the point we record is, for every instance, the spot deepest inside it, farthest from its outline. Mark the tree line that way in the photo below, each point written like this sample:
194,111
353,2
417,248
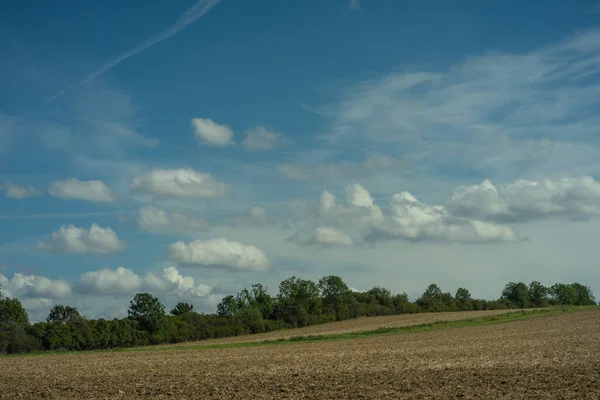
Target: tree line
298,303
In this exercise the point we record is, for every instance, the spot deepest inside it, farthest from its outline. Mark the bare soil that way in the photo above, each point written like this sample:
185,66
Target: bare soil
552,357
355,325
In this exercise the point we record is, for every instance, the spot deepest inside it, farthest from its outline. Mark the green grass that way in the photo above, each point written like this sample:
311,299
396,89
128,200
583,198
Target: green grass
435,326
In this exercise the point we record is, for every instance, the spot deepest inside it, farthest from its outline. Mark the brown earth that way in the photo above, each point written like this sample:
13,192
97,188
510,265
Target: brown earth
355,325
552,357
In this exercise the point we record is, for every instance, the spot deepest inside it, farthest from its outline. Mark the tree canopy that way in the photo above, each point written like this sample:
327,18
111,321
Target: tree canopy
60,313
299,302
182,308
147,310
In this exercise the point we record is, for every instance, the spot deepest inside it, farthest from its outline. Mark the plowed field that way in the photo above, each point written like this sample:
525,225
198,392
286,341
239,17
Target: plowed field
551,357
356,325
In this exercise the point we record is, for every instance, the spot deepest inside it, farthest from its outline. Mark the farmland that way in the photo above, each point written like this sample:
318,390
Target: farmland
355,325
547,357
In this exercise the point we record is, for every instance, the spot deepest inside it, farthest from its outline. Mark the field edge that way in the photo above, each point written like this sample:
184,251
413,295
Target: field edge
511,316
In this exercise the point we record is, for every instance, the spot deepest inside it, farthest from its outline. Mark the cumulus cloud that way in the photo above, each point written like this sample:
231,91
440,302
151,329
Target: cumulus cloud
324,236
107,281
477,213
172,280
71,239
262,139
358,211
14,191
212,133
182,183
158,220
256,216
219,252
74,189
403,217
126,282
33,286
522,201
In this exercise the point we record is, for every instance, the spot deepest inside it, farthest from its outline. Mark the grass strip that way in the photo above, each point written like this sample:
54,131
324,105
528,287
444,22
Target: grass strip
434,326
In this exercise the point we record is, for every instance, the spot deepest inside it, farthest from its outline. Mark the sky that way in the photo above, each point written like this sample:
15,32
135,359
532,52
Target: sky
190,149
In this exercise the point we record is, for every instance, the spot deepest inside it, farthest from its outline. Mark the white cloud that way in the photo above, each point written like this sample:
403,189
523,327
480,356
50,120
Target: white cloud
93,190
404,217
524,114
359,210
322,236
353,289
107,281
522,201
14,191
33,286
219,253
157,220
407,218
212,133
183,183
262,139
71,239
172,280
256,216
126,282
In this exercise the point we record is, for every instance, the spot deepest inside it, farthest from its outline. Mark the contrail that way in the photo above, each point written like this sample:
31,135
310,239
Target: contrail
191,15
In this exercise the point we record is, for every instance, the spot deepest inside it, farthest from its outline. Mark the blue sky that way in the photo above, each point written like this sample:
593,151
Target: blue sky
192,149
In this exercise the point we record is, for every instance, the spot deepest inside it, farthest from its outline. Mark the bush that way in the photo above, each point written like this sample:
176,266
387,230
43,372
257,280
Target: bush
14,339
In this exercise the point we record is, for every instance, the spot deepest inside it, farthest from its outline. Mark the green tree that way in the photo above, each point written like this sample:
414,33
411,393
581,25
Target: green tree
517,293
463,300
147,310
14,339
381,295
336,295
11,310
402,305
263,300
433,291
434,300
228,306
182,308
63,314
563,294
538,293
462,294
584,295
256,298
252,319
298,301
